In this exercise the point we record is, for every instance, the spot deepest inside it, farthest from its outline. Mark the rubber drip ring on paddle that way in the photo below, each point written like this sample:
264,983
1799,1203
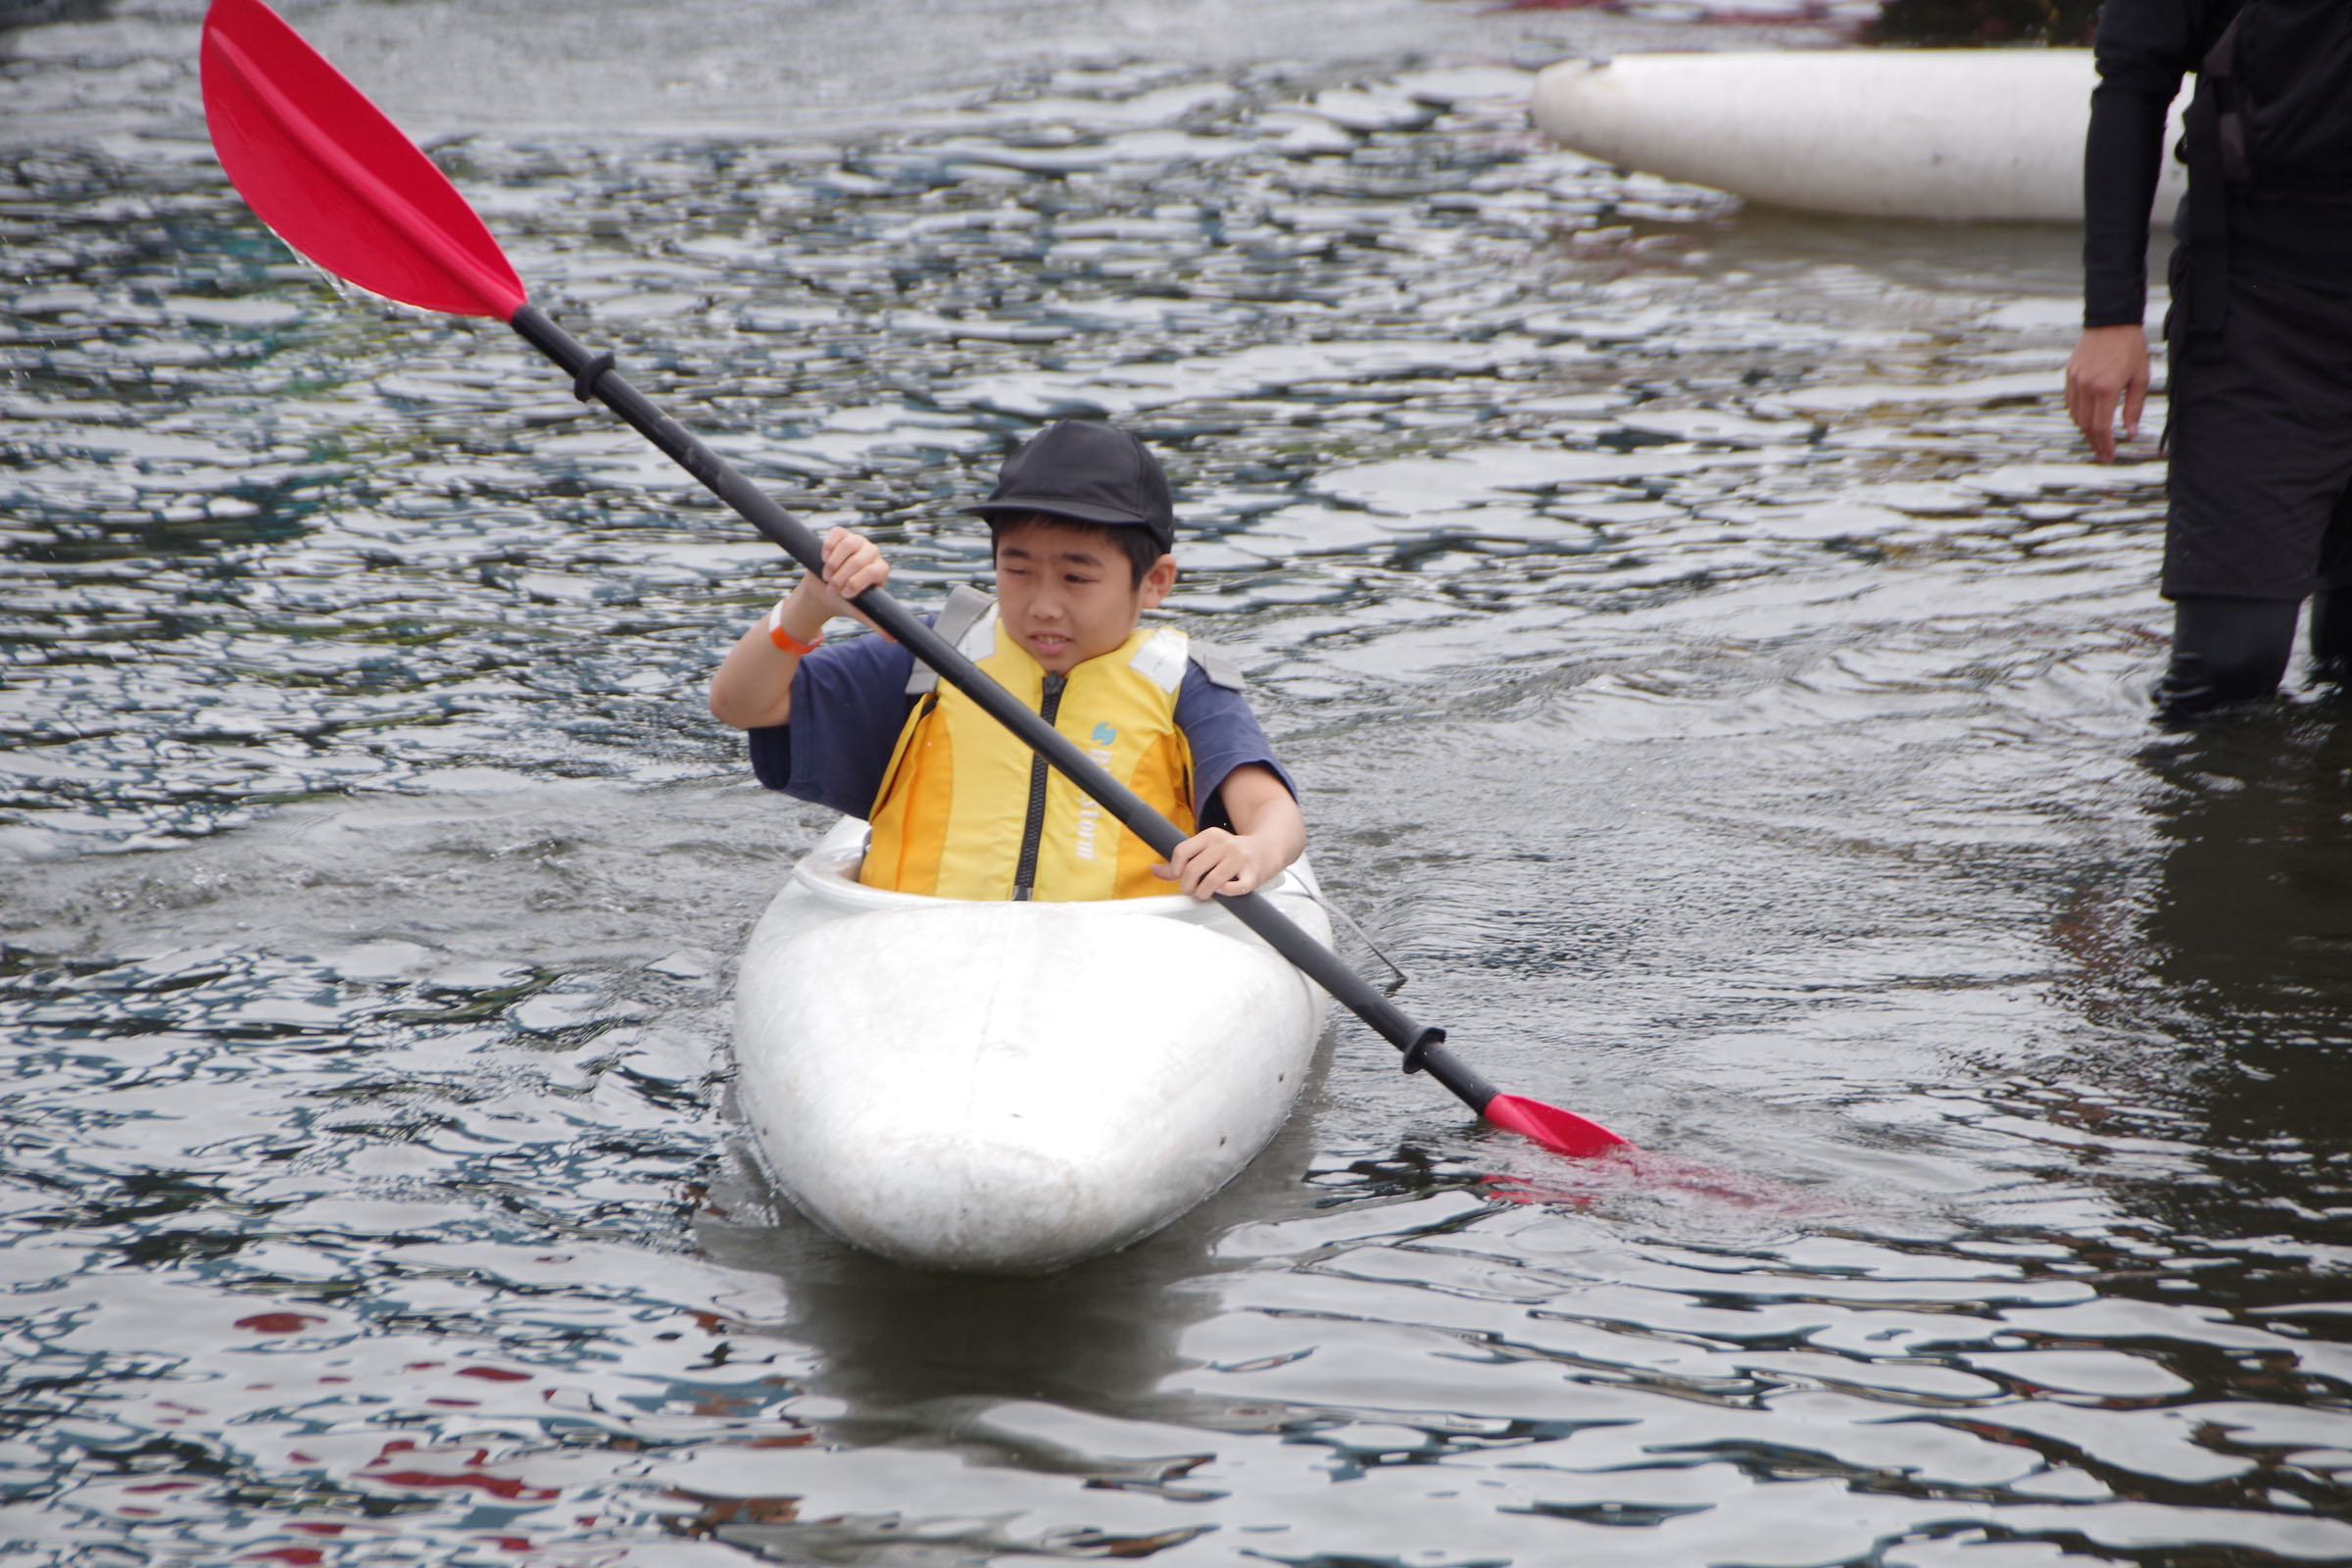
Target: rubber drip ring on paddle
1412,1052
583,385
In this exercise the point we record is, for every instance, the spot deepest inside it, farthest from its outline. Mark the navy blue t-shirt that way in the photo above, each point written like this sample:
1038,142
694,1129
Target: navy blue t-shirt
849,702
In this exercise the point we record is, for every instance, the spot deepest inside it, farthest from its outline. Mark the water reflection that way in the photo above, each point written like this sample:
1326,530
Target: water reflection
904,1350
2248,947
1056,1379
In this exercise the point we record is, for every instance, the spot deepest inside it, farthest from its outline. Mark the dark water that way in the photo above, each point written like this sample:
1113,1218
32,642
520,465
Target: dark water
1712,671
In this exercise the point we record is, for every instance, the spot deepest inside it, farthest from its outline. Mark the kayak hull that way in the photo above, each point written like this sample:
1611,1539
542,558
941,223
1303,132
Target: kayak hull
1012,1087
1953,134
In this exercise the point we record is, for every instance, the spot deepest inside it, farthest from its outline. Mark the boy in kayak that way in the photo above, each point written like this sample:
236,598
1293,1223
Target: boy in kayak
1084,529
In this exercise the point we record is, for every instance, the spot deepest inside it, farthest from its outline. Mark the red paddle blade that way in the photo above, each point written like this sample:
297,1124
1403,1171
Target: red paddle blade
1562,1131
322,166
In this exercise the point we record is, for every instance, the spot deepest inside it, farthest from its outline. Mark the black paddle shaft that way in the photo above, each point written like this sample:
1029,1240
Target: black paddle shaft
593,377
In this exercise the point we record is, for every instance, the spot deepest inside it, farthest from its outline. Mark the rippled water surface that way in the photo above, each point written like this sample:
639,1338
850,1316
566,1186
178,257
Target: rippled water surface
1712,671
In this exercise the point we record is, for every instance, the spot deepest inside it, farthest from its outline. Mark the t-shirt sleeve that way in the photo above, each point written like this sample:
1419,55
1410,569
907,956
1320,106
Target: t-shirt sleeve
1223,734
849,702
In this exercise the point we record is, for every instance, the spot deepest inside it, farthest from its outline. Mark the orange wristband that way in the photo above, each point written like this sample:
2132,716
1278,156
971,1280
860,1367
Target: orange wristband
787,641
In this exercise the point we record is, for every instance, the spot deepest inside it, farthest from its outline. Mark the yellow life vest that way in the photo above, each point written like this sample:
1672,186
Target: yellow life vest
963,802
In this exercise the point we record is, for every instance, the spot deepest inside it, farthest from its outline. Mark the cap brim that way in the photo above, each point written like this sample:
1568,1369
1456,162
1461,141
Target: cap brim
1061,508
1078,511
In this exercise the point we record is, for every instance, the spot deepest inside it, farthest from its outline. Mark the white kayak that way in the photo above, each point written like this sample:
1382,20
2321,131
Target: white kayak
1935,133
1012,1087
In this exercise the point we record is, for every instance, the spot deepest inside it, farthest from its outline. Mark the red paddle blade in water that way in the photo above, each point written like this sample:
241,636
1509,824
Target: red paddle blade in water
338,181
1563,1131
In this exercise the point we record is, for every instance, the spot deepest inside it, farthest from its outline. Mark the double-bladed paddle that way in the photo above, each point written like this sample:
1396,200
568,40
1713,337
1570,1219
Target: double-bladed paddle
339,182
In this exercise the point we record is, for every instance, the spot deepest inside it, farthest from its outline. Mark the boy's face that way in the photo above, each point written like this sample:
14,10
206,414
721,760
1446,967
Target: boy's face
1067,593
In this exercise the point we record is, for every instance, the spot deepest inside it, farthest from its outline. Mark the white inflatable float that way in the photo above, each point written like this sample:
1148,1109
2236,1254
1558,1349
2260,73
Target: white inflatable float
1012,1087
1932,134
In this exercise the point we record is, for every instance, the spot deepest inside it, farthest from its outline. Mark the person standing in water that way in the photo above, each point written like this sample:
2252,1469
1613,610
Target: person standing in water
2259,334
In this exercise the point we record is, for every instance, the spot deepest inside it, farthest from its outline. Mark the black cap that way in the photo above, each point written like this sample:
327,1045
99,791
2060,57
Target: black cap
1090,473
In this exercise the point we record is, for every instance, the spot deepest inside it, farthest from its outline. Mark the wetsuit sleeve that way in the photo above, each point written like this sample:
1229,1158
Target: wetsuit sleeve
1223,735
2144,48
849,702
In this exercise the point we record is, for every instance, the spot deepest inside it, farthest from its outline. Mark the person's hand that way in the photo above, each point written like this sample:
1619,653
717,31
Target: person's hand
1215,861
2109,366
852,564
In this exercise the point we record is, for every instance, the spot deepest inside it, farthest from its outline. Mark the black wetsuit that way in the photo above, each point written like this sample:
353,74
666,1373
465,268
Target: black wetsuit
2261,327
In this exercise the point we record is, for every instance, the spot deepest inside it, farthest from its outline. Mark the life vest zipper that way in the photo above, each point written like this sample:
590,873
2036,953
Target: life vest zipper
1032,832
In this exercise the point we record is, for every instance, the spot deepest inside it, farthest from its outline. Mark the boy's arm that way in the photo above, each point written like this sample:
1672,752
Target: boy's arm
752,686
1268,834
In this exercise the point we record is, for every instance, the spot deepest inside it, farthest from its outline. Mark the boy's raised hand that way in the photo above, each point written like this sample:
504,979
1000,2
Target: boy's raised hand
752,688
852,564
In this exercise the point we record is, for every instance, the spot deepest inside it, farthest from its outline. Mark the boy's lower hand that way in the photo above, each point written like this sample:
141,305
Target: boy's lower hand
1211,863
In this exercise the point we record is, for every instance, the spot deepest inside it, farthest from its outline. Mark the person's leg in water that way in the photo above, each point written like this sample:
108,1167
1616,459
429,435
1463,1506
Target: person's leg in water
2224,651
2332,605
2259,438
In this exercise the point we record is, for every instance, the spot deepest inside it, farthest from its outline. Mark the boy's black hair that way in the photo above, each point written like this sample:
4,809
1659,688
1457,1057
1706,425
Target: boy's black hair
1141,548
